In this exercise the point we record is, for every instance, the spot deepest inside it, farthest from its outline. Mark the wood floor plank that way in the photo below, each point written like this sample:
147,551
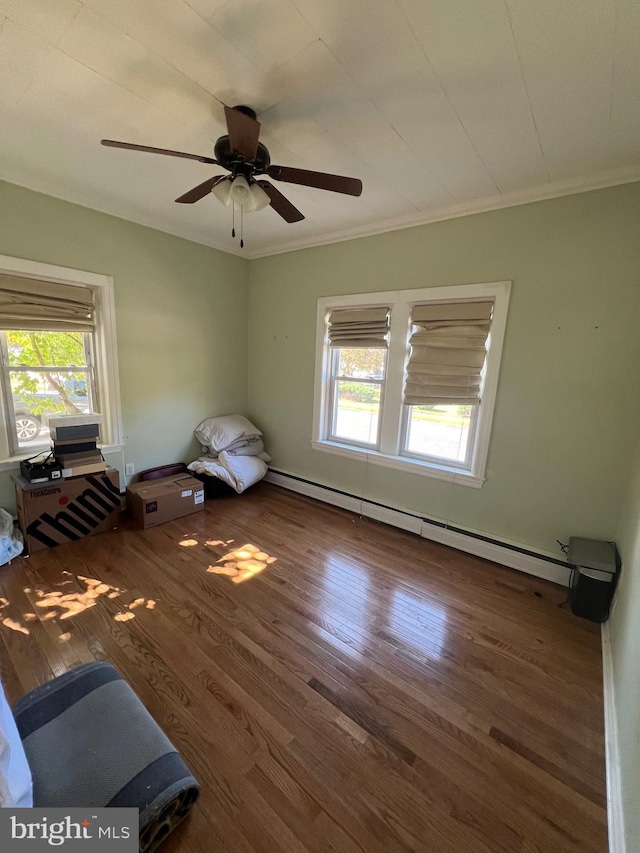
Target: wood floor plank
484,671
358,689
517,715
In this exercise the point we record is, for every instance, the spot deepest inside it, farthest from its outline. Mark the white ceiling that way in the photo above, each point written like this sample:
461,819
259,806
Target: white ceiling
439,106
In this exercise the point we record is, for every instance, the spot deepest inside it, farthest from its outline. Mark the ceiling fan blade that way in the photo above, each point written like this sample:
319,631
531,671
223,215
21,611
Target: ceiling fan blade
243,132
111,143
320,180
280,204
201,190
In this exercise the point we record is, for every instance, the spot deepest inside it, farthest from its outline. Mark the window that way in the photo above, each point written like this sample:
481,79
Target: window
48,372
357,376
409,378
57,350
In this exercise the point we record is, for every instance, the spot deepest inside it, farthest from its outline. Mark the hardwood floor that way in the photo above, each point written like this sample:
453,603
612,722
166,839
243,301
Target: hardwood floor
340,686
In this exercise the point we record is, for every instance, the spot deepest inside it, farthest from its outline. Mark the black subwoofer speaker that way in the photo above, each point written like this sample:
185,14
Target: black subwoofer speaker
595,570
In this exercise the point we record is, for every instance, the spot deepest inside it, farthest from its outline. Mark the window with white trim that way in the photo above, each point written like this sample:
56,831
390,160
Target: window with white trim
57,352
44,372
409,378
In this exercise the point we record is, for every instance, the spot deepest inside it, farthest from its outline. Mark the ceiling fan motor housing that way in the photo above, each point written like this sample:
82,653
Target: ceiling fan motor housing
236,163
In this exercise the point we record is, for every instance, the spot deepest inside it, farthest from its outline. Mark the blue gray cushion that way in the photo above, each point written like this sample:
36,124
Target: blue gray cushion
90,741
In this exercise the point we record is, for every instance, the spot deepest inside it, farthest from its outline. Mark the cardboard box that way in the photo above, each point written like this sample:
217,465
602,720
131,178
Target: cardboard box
66,511
154,502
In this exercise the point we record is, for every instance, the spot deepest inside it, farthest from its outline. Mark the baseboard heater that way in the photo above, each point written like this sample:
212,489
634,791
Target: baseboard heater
508,554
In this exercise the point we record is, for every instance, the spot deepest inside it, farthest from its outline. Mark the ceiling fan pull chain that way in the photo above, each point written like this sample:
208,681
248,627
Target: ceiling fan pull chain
241,227
233,219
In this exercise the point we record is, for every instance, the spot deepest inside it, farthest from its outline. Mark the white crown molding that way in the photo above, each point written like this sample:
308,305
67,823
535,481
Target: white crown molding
556,189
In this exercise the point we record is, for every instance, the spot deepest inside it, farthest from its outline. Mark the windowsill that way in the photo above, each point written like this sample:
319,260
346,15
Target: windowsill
402,463
12,463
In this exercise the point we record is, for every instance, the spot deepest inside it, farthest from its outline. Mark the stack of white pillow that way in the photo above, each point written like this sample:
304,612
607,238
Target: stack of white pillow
234,451
232,434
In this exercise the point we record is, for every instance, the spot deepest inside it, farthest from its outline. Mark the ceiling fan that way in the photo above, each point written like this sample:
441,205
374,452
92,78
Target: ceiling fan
240,152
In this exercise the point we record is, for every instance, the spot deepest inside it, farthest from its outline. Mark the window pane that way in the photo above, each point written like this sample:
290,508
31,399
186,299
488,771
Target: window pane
42,389
356,411
36,394
51,349
362,363
441,431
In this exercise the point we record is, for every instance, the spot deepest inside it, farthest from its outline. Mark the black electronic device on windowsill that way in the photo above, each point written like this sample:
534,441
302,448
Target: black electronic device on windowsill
41,468
595,568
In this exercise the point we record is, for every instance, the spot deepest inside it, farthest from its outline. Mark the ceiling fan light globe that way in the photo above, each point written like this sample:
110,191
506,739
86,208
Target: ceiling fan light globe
241,193
222,191
259,198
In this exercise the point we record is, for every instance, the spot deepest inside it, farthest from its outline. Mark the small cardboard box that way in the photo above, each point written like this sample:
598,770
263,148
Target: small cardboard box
154,502
59,512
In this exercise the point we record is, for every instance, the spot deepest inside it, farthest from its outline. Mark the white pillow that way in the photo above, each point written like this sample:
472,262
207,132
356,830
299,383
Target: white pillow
217,433
244,470
16,786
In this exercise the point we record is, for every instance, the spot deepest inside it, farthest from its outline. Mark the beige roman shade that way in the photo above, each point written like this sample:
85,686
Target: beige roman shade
448,350
359,328
26,303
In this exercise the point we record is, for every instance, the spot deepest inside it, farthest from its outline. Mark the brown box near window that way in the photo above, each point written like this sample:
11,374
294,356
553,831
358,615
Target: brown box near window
61,512
154,502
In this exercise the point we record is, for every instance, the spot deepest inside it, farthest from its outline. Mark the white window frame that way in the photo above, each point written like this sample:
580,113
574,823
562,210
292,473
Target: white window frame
104,350
393,415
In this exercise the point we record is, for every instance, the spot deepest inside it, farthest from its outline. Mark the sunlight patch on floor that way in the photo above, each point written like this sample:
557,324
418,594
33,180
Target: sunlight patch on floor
147,603
242,564
59,605
189,541
14,626
66,605
124,617
10,623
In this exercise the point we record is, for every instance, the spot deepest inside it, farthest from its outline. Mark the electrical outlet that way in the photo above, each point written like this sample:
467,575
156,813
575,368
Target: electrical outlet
130,469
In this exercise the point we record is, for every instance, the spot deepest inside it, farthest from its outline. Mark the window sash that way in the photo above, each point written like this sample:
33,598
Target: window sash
464,464
332,401
5,381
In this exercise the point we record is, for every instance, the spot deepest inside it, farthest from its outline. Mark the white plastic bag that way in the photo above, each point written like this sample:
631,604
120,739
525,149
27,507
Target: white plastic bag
11,542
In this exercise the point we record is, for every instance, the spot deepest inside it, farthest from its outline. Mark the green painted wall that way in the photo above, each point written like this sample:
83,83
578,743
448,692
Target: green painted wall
567,412
625,648
181,315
